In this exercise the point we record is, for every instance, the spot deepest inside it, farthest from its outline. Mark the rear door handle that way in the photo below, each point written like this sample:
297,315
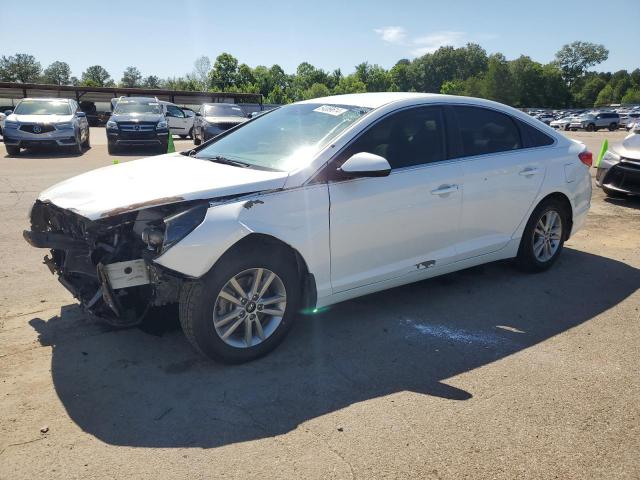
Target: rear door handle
444,189
527,172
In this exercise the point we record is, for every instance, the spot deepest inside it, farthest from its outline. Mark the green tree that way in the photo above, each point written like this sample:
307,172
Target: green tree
556,91
316,90
20,67
632,96
96,76
58,73
401,75
575,58
528,82
151,81
131,77
498,82
277,96
605,97
453,87
350,84
245,76
224,73
586,96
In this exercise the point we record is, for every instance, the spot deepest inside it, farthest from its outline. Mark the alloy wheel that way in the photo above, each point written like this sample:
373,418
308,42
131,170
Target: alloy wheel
249,307
547,236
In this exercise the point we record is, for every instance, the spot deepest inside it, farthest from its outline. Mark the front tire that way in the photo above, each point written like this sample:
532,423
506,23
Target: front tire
111,148
543,237
591,128
244,307
12,150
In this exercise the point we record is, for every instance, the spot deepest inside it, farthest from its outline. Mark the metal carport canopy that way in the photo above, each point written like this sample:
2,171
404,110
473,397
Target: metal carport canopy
15,90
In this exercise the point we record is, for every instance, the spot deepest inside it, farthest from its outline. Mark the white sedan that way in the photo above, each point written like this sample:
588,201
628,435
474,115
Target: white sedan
311,204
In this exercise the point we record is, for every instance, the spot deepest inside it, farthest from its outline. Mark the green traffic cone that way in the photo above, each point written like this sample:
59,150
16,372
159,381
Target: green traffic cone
603,150
171,148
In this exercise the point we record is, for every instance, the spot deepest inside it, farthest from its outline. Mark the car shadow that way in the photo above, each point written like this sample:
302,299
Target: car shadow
128,387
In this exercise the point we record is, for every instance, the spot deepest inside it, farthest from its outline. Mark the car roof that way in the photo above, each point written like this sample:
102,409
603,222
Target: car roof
371,100
48,99
221,104
139,99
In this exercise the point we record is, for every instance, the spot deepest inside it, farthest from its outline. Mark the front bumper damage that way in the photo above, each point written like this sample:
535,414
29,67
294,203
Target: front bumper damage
104,263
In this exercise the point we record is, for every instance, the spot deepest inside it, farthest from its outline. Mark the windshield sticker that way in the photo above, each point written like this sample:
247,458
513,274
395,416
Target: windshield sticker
335,111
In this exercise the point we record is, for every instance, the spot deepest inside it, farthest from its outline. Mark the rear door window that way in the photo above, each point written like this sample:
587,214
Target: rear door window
485,131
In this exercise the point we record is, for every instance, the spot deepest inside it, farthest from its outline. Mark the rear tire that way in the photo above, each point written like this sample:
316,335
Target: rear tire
196,140
530,257
183,136
613,127
199,305
12,150
87,142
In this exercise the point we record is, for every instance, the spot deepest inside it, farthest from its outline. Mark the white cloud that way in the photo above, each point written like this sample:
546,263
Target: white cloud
433,41
394,35
428,43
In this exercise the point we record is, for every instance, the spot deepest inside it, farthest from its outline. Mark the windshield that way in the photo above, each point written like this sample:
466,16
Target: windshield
223,111
287,138
124,107
39,107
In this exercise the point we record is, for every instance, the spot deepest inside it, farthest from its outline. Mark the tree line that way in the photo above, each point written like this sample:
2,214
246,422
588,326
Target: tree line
565,82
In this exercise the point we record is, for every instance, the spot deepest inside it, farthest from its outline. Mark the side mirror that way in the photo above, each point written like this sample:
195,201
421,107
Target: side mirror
198,114
365,164
8,112
81,115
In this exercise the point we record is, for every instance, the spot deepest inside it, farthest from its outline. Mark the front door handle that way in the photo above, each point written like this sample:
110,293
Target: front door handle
527,172
444,189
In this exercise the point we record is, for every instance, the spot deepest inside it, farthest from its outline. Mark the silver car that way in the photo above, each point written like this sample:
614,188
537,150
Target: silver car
46,122
592,122
618,172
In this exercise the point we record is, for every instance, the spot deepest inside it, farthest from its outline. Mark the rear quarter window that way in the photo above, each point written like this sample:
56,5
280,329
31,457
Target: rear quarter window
532,137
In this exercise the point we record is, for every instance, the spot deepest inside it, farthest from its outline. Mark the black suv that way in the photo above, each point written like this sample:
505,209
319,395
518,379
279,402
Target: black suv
137,121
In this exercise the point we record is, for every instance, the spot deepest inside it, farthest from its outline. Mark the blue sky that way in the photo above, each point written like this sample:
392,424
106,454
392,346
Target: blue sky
165,37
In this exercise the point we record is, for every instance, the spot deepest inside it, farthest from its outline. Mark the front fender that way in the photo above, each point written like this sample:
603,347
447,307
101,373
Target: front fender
298,217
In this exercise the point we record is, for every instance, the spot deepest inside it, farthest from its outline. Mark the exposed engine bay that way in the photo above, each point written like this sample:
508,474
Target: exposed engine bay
107,264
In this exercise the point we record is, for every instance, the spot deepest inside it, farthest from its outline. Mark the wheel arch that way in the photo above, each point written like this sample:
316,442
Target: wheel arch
255,240
564,200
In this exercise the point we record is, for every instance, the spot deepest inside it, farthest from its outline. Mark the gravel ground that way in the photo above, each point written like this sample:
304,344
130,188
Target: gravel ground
485,373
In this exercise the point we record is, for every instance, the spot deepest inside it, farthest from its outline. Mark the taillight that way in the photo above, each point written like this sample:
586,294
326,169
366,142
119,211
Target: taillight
586,157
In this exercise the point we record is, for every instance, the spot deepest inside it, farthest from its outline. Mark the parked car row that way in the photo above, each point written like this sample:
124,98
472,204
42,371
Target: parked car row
591,121
134,121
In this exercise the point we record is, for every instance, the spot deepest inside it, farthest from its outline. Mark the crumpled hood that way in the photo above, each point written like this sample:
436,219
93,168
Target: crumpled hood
225,119
629,148
152,181
40,118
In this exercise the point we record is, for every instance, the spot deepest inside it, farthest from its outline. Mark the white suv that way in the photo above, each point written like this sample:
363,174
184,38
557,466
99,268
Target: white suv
311,204
180,120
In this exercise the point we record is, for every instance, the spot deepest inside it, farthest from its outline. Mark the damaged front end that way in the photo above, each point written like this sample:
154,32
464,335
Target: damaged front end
107,264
